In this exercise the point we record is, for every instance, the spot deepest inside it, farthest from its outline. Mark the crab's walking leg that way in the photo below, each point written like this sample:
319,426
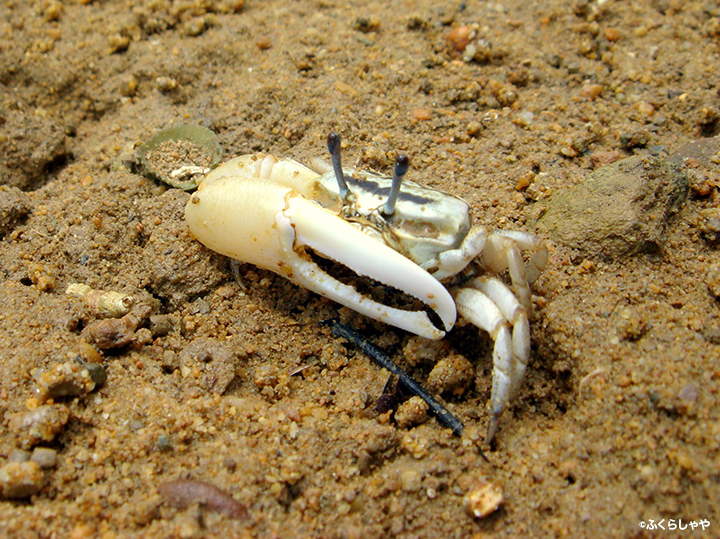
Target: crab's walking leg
491,306
529,243
453,261
504,249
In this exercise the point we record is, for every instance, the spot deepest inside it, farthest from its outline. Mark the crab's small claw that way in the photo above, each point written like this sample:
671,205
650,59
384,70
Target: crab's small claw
305,227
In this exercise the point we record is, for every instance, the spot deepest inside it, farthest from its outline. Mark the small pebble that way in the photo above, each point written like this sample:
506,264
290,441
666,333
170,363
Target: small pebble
712,279
183,493
164,443
421,114
19,455
67,379
643,107
39,425
116,332
160,325
165,84
459,38
98,374
411,480
367,24
479,51
483,499
44,457
118,43
195,26
20,479
592,91
143,336
612,34
128,85
452,374
687,397
411,413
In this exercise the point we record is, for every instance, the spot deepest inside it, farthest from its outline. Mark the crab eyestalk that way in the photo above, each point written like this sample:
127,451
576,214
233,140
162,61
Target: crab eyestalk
401,167
333,143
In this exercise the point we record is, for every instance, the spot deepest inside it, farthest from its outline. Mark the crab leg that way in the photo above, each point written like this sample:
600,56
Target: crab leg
490,305
271,226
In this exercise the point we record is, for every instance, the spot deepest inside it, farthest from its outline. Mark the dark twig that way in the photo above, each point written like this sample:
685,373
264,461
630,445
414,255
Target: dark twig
438,410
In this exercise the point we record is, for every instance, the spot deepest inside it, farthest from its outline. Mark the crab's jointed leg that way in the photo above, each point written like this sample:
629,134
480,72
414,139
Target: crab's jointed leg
491,306
503,250
453,261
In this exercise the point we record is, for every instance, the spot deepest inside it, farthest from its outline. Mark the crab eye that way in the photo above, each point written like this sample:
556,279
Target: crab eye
333,143
401,167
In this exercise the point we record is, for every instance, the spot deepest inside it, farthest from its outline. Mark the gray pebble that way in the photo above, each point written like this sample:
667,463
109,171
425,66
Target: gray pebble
160,325
164,443
620,209
44,457
98,374
18,455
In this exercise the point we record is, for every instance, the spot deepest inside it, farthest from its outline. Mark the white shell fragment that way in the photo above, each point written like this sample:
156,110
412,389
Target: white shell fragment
102,303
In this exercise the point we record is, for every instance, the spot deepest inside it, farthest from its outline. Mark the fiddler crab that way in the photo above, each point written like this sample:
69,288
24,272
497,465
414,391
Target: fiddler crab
313,226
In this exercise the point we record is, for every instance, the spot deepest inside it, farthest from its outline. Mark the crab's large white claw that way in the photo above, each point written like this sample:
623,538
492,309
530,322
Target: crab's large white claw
272,226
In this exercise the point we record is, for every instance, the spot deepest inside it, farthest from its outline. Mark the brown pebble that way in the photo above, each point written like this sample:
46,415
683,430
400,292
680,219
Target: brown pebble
19,455
116,332
39,425
118,43
452,374
612,34
411,413
459,37
128,85
421,114
160,325
598,159
183,493
591,91
643,107
20,479
110,333
367,24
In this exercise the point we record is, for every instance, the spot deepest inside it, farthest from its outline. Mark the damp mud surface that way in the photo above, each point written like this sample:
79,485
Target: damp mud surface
215,403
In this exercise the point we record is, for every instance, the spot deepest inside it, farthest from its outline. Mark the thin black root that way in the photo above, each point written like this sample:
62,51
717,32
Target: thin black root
442,414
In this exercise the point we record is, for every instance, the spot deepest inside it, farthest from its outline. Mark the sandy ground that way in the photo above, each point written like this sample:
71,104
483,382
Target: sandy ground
618,421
